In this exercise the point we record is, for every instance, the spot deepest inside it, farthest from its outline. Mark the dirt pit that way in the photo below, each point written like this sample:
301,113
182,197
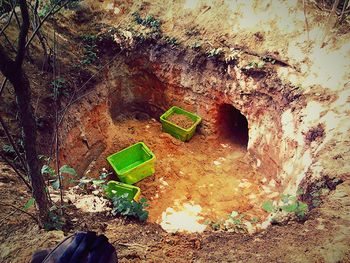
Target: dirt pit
196,184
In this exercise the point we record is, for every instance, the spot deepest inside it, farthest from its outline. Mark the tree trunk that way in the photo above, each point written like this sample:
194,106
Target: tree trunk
21,86
12,69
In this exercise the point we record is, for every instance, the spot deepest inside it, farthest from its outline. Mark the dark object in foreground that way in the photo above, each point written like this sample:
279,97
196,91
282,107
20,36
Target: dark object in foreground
82,247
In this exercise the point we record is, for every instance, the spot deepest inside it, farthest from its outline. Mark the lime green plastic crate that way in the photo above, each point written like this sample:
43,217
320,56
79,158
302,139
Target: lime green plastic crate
176,131
133,163
118,189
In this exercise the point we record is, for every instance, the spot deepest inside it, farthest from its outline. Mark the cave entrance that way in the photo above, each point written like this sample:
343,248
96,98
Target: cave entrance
232,125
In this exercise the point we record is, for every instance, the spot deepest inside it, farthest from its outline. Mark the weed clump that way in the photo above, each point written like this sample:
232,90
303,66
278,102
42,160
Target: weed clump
289,204
123,206
90,49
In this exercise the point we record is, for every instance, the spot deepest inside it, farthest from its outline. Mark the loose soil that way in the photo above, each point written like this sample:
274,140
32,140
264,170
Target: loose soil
181,120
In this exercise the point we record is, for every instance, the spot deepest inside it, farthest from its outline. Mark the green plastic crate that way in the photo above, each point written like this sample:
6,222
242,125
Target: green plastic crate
133,163
118,189
176,131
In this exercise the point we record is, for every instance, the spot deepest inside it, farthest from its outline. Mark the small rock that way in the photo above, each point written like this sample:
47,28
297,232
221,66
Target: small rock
217,163
272,183
176,141
197,244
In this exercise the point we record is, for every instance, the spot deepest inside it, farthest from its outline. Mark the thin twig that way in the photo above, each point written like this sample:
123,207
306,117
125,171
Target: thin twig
7,216
132,245
56,119
51,12
16,171
306,22
36,21
14,8
10,139
8,22
343,12
9,42
21,210
328,24
3,85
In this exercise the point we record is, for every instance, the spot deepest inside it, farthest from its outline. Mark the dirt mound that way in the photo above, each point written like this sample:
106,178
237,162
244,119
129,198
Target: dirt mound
181,120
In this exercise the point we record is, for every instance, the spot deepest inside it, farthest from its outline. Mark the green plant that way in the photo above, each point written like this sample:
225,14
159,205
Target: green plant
44,10
59,87
48,5
236,221
123,206
215,226
215,52
254,220
8,149
86,182
171,41
196,45
149,21
57,178
56,221
90,49
269,59
290,204
255,65
73,4
233,55
29,204
235,218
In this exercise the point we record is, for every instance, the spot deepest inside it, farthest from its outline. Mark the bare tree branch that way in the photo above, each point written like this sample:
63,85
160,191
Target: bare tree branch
8,22
21,210
343,12
51,12
3,85
21,50
16,171
306,22
9,43
328,24
14,8
56,120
